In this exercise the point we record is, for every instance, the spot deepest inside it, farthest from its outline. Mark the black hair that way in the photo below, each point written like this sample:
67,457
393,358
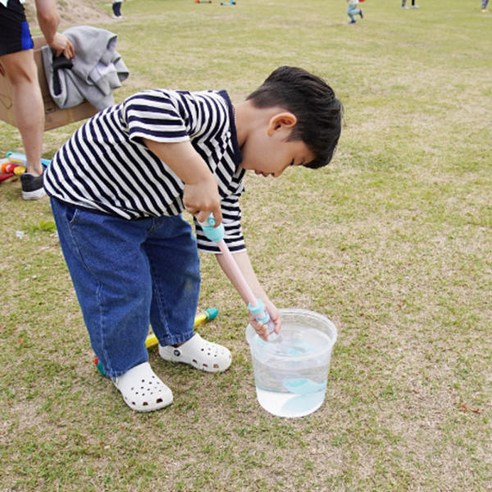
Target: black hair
312,101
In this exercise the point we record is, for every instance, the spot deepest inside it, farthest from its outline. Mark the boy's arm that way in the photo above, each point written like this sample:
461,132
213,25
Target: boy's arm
201,194
244,264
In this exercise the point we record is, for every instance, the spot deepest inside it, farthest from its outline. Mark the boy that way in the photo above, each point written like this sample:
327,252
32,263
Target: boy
118,188
353,10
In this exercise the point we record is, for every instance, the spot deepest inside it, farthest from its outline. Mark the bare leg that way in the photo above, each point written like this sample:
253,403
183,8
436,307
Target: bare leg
22,73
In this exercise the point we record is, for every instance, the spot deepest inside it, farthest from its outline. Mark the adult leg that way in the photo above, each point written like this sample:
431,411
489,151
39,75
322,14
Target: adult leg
22,73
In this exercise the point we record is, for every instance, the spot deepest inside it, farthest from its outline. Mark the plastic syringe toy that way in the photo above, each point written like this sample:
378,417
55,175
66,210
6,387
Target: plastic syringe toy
255,305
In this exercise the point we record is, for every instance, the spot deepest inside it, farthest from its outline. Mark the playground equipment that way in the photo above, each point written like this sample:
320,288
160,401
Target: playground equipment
204,317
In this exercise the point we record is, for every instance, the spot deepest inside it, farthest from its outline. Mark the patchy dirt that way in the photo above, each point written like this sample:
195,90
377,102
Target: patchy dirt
72,12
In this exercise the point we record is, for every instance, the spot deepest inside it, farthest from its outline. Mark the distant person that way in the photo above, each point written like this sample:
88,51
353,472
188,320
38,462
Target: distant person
117,9
119,188
17,63
353,10
484,5
404,4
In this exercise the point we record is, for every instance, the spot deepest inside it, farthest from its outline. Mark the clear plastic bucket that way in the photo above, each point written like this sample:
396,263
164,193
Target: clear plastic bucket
291,370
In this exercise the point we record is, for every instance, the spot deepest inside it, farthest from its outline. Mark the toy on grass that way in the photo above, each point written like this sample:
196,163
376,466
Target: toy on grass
230,2
204,317
203,1
8,166
9,169
20,158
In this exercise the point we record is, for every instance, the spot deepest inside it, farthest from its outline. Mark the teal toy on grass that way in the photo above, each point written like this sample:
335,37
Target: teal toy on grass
204,317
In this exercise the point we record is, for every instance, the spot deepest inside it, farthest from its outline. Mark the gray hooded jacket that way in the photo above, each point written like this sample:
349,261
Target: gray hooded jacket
92,75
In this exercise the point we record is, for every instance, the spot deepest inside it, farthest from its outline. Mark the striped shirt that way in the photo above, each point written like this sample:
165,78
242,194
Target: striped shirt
106,167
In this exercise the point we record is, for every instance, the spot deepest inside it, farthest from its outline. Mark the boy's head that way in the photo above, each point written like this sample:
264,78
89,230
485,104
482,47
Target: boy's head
312,101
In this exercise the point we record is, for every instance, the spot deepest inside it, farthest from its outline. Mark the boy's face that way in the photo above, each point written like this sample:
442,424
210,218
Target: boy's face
267,151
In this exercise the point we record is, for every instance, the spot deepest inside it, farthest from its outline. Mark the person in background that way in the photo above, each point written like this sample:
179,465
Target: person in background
404,4
484,5
117,9
18,65
353,10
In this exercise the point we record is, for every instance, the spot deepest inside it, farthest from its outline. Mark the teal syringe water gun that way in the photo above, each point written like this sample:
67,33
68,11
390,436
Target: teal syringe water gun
255,305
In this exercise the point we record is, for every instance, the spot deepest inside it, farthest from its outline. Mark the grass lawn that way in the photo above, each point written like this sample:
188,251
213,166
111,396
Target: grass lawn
392,242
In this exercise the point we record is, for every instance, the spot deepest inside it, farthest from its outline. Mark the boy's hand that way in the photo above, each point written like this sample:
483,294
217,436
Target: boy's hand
264,330
202,199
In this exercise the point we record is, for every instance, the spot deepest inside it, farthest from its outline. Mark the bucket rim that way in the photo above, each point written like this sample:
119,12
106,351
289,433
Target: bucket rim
250,331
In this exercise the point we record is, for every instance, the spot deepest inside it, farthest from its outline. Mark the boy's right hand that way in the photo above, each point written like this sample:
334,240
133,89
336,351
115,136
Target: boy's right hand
202,199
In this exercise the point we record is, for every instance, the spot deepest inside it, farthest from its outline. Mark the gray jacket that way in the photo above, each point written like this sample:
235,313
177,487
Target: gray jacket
96,70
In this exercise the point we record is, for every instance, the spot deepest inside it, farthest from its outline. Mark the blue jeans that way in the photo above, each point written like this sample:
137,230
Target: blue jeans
352,11
128,274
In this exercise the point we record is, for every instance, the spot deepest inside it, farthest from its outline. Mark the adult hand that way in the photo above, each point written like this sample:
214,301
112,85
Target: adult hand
62,45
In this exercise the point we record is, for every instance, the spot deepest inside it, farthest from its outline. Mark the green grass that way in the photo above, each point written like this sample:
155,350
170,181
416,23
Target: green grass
392,242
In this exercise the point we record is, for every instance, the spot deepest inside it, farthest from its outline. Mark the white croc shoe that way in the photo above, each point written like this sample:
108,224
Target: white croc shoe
199,353
142,389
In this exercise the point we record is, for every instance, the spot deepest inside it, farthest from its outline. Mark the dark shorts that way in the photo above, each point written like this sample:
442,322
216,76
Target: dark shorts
14,29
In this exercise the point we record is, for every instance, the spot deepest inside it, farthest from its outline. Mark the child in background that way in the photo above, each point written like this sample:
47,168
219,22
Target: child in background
404,4
119,187
353,10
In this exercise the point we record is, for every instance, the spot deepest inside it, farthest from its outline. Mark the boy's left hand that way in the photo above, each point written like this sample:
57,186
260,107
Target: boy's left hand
264,330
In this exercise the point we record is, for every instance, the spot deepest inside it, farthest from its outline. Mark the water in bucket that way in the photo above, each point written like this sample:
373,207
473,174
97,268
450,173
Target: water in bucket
291,370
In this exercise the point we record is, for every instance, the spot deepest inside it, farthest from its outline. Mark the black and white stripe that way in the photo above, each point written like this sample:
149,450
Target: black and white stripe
106,167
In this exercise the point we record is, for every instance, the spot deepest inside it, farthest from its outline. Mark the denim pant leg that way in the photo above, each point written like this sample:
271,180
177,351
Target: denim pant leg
111,276
352,11
175,269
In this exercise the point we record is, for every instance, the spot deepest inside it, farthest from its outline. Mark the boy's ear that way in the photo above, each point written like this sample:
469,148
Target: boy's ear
284,120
